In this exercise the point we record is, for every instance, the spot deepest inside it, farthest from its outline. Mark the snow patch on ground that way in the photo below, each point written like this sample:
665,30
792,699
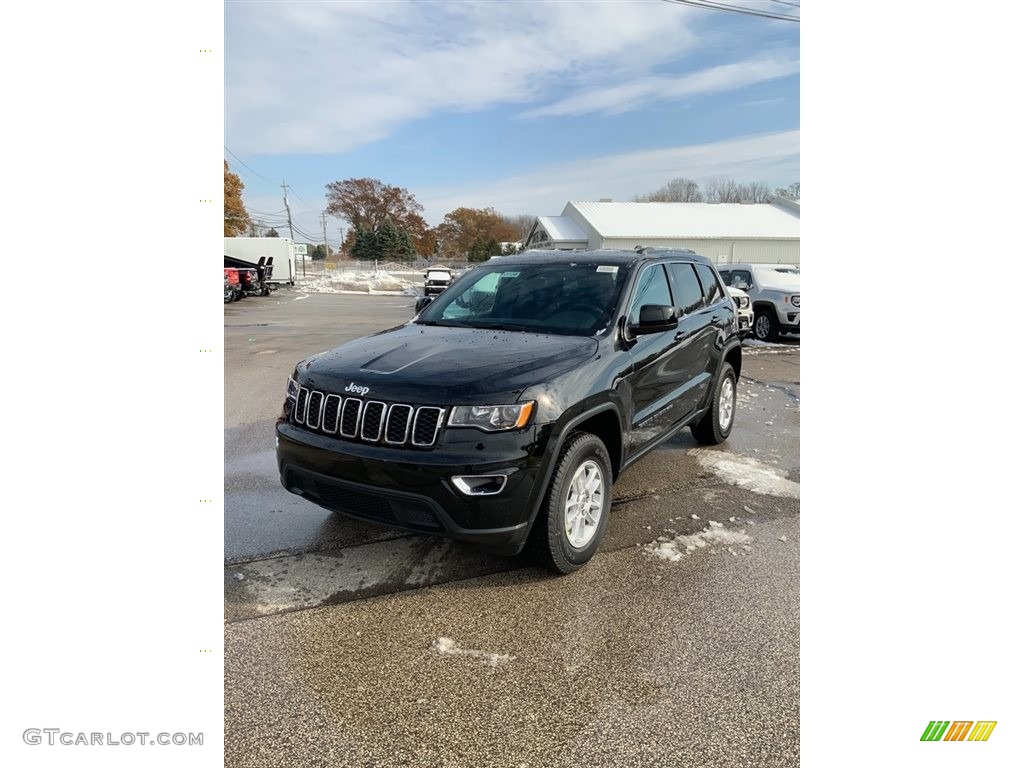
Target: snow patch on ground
447,647
676,548
373,282
747,473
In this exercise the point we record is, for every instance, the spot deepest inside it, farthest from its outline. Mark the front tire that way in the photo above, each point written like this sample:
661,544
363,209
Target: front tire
717,423
573,517
766,326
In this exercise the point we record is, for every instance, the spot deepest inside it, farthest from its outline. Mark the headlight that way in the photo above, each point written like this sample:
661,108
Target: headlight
795,301
293,389
744,302
491,418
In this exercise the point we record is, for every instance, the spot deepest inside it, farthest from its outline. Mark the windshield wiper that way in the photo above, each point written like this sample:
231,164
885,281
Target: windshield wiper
502,327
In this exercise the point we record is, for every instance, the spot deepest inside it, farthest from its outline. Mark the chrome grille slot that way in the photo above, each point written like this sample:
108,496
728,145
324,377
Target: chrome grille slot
399,419
426,425
370,421
313,411
300,406
373,420
330,418
350,416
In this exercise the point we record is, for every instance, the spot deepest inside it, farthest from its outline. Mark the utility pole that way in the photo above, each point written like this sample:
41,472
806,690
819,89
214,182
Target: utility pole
323,223
288,209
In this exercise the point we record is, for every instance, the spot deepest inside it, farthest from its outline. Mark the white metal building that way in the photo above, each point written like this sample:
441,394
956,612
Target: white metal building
724,232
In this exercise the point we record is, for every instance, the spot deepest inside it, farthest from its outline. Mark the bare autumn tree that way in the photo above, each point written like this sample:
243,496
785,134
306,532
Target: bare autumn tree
522,223
236,218
676,191
720,189
755,192
792,191
467,228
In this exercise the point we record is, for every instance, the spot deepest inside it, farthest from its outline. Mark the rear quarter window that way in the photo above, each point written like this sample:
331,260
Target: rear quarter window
712,288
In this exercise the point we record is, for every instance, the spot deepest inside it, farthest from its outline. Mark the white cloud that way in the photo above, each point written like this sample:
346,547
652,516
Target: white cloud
762,102
641,92
772,158
327,77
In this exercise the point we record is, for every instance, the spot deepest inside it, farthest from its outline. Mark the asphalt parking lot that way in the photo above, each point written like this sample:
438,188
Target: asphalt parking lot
353,644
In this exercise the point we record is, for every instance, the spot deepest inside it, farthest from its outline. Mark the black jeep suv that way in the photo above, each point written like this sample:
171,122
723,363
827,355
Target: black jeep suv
503,412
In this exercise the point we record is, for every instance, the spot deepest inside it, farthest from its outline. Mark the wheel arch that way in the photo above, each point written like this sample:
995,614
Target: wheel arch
605,417
734,357
765,306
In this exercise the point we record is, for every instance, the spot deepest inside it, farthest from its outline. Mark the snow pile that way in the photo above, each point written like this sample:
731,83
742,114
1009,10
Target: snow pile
447,647
379,281
756,347
747,473
675,548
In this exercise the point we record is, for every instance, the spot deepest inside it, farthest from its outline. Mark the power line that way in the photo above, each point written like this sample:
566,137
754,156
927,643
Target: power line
712,6
260,175
307,205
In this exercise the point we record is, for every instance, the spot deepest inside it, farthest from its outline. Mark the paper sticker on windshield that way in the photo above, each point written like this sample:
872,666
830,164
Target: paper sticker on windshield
608,268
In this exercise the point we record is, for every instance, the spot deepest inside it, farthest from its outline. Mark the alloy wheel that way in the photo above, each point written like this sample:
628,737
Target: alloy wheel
584,503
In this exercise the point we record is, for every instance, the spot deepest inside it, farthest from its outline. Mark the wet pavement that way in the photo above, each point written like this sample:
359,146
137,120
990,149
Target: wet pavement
352,644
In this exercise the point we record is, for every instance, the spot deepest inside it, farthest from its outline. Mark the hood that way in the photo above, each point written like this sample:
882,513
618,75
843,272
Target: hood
779,281
435,364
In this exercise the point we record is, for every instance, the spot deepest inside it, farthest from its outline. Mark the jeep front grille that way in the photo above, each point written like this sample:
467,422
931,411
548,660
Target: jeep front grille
368,421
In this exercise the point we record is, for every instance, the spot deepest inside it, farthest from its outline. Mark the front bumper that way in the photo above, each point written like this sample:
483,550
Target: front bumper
744,321
412,489
433,290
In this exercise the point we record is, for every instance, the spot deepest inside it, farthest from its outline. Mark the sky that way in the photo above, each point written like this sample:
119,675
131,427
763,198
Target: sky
522,106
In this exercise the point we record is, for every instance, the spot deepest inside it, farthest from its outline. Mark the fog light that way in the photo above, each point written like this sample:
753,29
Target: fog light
480,485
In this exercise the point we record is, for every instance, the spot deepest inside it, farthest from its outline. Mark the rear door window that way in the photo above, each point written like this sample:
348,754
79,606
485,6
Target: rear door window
689,294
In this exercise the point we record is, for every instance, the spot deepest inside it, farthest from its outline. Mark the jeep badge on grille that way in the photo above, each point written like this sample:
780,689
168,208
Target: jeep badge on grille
353,387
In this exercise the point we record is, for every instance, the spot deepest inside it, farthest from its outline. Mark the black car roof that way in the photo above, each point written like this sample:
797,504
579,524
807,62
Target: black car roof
609,256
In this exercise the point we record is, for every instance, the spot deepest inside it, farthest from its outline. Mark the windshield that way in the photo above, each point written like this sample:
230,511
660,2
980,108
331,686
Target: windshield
432,275
575,299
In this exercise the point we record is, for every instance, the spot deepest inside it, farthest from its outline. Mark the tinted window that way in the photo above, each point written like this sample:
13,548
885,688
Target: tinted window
725,273
689,295
712,290
652,288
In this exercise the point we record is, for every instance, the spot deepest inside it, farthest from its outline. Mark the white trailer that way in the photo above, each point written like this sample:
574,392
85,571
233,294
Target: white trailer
252,248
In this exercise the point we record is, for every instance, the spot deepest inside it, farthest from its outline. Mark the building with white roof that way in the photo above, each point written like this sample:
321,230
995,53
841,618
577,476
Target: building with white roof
724,232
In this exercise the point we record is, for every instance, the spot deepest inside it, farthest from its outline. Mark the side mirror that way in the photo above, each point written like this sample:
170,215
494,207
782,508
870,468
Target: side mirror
655,318
422,302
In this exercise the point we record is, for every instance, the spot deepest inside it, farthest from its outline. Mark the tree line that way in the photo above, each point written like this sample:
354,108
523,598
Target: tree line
386,221
718,189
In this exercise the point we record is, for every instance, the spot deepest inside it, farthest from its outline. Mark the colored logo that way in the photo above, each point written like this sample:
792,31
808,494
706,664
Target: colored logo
958,730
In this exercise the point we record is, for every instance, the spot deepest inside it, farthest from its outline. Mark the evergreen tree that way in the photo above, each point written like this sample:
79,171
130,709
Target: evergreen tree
365,246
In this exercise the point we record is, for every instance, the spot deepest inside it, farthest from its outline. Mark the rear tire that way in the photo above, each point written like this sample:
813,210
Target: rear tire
572,519
717,423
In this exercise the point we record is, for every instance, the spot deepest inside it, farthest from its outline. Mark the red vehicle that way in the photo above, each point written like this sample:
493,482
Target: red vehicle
232,285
